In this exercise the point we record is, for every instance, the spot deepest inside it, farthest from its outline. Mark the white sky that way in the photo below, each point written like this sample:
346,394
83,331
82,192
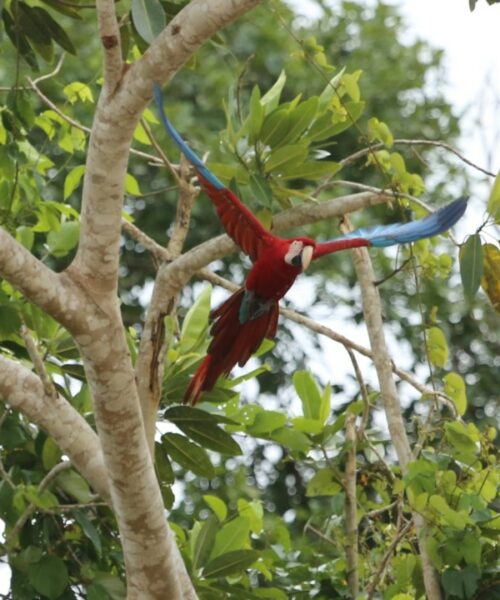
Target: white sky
472,60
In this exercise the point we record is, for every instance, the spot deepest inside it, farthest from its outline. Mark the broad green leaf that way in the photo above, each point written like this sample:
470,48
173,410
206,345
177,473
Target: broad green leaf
378,130
398,164
72,180
493,206
57,33
330,90
188,454
148,17
63,241
163,467
217,505
202,427
301,118
42,499
232,536
51,454
312,170
256,115
141,136
453,518
78,91
309,393
75,485
266,422
275,127
131,185
19,40
325,408
454,386
88,529
312,426
25,236
230,563
323,483
463,438
49,576
292,439
205,541
271,98
112,584
254,512
286,156
471,265
261,190
490,281
437,347
195,322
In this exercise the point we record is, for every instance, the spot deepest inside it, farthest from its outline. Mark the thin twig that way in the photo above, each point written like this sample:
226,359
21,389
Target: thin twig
351,520
401,142
36,359
31,508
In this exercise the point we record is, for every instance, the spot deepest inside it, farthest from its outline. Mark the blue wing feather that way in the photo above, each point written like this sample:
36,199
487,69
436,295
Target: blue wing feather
438,222
181,144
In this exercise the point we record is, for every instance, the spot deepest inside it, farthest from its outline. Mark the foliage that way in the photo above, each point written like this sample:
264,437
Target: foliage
257,493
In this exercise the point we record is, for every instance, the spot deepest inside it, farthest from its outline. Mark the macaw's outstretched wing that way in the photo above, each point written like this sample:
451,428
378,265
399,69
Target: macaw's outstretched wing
240,224
381,236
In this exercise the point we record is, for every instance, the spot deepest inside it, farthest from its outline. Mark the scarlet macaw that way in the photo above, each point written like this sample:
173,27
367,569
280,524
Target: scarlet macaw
251,313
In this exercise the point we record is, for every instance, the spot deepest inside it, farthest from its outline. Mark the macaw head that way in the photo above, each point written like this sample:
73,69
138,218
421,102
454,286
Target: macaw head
300,252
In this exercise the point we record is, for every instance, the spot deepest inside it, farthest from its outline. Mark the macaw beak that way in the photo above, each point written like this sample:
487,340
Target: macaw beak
307,254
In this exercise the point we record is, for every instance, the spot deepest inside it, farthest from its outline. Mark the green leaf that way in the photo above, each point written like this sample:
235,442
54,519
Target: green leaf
131,185
201,427
301,118
275,127
51,454
72,180
230,563
254,512
256,115
493,206
437,347
309,393
78,91
49,576
75,485
330,90
195,322
57,33
454,386
312,170
148,17
88,529
286,156
233,536
205,541
312,426
112,584
271,98
217,505
325,408
266,422
456,520
261,190
63,241
19,40
41,499
25,236
323,483
163,467
292,439
490,282
471,265
188,454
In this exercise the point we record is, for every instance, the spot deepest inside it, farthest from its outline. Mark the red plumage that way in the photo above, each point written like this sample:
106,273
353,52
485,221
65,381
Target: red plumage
233,342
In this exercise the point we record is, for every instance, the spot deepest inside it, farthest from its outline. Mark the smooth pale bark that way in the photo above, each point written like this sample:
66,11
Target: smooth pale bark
372,310
24,391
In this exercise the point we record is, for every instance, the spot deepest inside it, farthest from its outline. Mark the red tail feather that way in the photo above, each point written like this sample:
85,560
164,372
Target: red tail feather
233,342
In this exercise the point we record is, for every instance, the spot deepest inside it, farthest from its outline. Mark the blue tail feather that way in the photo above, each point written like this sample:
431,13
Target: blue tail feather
182,145
381,236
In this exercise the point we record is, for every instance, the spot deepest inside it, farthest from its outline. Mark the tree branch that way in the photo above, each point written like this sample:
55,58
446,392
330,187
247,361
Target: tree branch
351,519
372,310
24,391
111,44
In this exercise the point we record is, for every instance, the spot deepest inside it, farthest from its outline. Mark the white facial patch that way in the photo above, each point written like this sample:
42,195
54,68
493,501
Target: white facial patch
293,252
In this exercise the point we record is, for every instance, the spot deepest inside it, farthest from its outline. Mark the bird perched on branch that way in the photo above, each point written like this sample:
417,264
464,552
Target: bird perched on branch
251,313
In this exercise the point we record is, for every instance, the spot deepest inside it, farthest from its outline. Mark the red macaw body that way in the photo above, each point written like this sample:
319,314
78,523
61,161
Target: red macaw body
251,313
